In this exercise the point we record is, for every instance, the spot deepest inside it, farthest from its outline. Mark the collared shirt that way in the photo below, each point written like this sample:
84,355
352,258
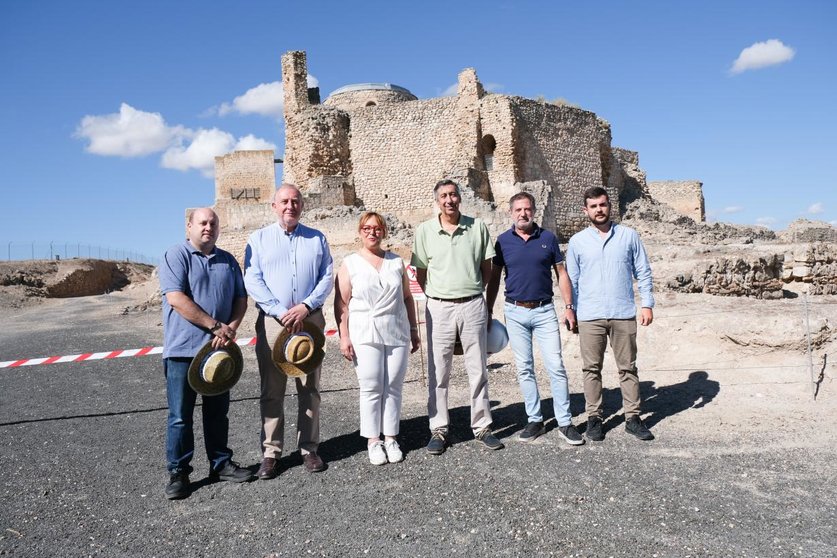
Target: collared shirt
212,281
528,263
452,260
602,269
284,269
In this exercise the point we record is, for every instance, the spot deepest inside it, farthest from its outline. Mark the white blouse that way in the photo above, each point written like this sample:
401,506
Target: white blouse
377,313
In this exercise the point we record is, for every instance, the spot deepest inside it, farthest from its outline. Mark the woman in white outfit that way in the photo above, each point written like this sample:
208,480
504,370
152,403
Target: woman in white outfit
374,310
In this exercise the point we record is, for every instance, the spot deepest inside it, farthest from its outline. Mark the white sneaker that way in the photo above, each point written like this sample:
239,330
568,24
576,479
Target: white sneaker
377,456
394,454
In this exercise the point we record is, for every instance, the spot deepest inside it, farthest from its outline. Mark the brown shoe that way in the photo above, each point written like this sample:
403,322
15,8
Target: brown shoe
269,469
313,463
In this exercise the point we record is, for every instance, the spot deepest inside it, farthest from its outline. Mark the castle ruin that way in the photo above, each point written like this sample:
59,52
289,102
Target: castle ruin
377,146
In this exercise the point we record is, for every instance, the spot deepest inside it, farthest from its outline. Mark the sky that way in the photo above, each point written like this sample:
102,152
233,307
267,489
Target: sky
111,112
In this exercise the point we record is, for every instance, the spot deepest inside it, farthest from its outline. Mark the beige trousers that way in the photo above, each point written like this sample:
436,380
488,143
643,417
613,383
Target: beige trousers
593,337
272,400
444,320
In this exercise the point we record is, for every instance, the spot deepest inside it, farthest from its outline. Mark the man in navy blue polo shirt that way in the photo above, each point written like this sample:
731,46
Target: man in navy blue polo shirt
529,254
203,299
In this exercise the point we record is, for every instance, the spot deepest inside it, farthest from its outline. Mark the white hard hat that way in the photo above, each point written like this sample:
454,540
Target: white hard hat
497,338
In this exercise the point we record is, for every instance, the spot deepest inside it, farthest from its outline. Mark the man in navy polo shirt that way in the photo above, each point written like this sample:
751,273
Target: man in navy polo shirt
203,299
529,254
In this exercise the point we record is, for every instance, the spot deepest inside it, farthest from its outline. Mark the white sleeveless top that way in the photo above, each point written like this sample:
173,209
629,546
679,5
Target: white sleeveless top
377,313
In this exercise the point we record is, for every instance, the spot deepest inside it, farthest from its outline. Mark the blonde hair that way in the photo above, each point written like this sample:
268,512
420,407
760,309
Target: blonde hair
367,215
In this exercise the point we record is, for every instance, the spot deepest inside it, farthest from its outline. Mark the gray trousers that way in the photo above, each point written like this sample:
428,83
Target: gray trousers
444,321
593,336
272,400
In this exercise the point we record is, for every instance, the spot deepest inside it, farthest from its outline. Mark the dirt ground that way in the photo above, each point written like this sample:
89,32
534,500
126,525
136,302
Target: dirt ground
744,464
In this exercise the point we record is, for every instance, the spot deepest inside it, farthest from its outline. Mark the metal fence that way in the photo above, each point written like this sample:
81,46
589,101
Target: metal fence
68,250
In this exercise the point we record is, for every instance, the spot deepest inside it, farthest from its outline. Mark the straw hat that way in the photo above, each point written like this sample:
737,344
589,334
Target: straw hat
213,372
495,341
299,354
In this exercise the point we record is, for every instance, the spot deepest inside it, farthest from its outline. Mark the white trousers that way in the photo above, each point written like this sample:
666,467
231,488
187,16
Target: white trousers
380,373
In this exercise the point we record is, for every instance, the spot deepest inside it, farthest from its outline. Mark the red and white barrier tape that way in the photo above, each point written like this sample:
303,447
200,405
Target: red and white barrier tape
120,353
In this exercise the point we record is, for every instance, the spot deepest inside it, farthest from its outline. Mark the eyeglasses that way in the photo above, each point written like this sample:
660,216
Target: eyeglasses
366,229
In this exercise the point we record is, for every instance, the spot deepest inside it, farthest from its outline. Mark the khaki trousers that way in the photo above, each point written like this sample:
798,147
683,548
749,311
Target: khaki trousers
593,337
444,320
272,400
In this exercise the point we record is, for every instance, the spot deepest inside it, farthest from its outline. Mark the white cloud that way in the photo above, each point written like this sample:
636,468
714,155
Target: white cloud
252,143
205,146
450,90
815,208
493,87
833,223
766,221
134,133
732,209
762,55
266,99
128,133
200,153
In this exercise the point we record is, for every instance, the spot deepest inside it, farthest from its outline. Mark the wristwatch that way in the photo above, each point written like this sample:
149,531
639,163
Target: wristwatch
569,307
215,327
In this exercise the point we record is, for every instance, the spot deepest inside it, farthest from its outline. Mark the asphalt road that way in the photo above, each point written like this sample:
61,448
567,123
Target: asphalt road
83,471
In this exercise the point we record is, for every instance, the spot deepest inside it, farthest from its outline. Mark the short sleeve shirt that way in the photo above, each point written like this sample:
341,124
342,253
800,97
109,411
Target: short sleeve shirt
212,281
453,260
528,263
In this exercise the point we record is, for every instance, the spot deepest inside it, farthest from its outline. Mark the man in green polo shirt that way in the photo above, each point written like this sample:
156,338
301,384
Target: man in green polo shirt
452,256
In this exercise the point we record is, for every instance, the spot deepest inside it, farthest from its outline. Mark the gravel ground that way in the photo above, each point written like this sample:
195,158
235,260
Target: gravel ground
83,453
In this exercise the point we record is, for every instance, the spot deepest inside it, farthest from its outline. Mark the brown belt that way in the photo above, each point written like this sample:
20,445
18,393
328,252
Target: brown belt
456,300
529,303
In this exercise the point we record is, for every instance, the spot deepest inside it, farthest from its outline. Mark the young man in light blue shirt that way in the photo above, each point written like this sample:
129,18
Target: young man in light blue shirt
602,261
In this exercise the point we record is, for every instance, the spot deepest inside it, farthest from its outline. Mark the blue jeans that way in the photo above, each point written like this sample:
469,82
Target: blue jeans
180,440
541,323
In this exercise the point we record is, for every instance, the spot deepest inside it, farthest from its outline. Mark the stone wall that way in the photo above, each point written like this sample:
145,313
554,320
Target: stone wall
562,146
351,100
685,196
758,277
244,180
389,155
804,230
816,265
400,151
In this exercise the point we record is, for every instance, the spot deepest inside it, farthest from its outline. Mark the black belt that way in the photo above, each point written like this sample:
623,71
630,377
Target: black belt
456,300
530,303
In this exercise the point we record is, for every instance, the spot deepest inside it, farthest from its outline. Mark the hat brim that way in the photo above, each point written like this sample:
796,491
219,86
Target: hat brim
277,352
215,388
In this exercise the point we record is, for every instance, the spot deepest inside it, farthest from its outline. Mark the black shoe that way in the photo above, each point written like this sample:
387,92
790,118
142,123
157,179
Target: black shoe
570,435
178,487
489,440
232,472
594,431
437,443
532,431
635,426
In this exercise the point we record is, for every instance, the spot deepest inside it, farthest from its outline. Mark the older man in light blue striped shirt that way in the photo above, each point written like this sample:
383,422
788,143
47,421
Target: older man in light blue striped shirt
602,261
289,273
